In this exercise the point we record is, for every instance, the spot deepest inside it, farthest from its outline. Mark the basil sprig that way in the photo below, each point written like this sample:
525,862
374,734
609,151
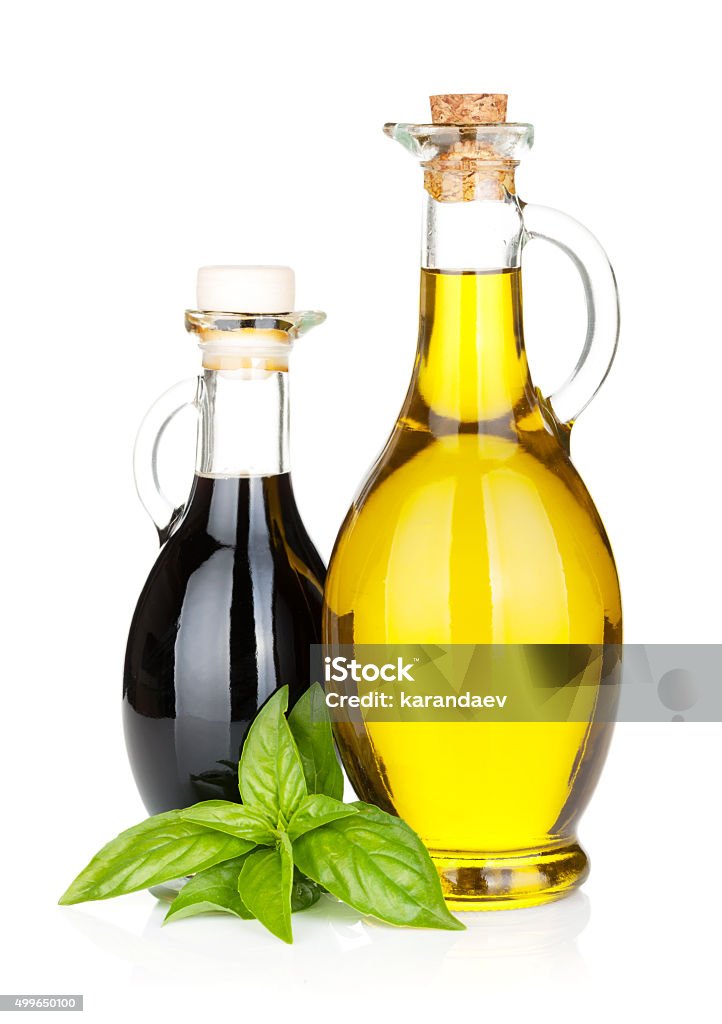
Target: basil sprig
291,839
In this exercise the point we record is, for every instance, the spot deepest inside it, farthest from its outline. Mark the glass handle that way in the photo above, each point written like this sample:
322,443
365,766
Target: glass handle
600,290
164,512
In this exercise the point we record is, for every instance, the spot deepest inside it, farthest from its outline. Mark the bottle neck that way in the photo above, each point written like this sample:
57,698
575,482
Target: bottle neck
482,234
471,364
243,424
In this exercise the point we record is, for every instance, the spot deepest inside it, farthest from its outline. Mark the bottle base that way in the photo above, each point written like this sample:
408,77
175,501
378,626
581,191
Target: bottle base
511,880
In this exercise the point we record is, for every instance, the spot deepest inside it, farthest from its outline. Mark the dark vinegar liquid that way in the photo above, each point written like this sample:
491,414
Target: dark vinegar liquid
225,618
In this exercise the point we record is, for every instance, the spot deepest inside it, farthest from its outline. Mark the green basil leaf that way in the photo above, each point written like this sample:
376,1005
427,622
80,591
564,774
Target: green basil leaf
157,850
379,866
304,892
315,811
311,728
264,885
247,822
214,890
270,772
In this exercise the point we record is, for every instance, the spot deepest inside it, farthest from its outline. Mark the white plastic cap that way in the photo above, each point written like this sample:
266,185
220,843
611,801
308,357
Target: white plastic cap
246,289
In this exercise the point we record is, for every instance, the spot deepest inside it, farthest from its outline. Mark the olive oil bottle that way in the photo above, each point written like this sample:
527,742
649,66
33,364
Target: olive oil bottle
475,528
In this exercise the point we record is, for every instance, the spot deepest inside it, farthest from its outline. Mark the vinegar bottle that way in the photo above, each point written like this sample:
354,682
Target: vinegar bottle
474,527
234,599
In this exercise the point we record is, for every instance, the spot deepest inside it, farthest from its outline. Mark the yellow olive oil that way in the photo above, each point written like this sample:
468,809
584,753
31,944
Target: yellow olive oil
475,528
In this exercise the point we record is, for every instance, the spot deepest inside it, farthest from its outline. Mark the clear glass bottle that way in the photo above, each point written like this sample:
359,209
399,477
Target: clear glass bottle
474,527
234,599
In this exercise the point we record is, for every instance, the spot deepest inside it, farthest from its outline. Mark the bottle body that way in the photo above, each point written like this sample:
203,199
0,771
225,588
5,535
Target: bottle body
474,528
233,602
226,617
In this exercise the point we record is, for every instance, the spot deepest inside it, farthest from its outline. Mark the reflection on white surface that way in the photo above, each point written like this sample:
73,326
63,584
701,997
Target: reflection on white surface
335,944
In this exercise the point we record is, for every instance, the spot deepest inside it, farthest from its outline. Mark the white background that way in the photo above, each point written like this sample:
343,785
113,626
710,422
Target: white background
141,140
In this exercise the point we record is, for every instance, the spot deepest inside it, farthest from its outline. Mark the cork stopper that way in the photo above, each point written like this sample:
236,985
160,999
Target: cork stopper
469,108
471,167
